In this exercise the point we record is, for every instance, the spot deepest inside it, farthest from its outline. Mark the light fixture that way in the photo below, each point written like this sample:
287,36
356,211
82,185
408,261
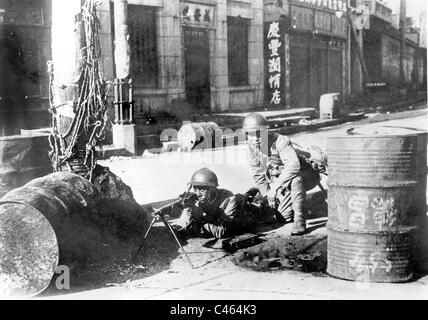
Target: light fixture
339,14
2,12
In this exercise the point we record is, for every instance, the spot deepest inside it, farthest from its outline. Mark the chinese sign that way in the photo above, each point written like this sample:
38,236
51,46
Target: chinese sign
336,5
302,18
340,27
197,14
319,21
275,56
322,22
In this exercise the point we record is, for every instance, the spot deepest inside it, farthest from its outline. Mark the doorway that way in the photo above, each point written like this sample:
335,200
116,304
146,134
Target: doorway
197,67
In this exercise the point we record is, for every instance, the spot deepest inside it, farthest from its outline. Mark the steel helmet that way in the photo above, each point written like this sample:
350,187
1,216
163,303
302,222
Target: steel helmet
204,178
255,121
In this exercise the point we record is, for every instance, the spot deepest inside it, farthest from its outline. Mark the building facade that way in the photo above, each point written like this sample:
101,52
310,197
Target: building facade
381,43
315,44
25,47
205,54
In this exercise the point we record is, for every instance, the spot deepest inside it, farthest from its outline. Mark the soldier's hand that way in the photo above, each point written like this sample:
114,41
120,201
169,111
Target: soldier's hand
271,197
188,199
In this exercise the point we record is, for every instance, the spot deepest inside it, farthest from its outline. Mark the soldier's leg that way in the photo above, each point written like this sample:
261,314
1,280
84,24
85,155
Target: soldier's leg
285,208
236,218
298,195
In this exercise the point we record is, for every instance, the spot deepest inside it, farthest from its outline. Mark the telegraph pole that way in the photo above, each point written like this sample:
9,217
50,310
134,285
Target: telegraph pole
402,26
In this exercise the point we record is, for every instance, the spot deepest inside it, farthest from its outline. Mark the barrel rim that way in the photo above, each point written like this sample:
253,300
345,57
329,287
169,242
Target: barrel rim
386,185
403,280
413,132
42,216
394,230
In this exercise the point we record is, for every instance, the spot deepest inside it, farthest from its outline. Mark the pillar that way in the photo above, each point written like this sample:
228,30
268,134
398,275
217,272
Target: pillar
121,50
65,51
124,135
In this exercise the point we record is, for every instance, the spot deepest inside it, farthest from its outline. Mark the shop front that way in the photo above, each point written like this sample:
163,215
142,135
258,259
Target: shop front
318,41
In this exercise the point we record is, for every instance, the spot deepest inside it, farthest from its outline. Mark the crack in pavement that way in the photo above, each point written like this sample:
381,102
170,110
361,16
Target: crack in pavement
186,286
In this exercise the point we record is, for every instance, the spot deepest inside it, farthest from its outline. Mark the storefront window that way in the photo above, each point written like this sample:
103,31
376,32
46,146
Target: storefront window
237,40
143,45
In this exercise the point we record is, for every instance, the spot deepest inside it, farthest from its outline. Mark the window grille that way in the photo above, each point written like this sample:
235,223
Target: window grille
237,40
143,45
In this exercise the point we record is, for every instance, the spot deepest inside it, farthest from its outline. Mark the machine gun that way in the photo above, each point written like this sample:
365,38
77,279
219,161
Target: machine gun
185,199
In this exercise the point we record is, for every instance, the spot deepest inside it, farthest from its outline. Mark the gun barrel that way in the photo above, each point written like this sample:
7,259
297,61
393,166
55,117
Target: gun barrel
158,210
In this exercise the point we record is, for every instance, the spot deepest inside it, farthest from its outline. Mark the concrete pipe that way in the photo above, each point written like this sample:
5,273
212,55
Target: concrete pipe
197,135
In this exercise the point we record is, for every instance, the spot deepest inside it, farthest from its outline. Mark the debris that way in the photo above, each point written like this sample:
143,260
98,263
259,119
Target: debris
242,241
305,254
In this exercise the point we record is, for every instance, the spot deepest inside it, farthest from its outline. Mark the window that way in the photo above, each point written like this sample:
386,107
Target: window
23,12
143,45
237,41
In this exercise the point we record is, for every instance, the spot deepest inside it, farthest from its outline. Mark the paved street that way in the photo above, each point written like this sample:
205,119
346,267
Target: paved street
160,177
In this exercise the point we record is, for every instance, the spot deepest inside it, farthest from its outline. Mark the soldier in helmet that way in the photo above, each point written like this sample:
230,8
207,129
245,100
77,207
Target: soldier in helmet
279,173
218,212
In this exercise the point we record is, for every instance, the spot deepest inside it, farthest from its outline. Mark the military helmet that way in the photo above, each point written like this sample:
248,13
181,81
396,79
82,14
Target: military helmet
255,121
204,178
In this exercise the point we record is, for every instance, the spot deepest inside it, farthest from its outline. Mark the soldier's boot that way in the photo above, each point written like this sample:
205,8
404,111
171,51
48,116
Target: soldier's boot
299,228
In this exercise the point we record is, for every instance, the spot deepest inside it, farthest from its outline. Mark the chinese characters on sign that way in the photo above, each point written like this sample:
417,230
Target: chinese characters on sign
336,5
318,20
274,62
197,14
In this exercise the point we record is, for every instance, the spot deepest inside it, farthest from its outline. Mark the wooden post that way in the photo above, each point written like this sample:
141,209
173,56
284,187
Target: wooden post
359,50
402,41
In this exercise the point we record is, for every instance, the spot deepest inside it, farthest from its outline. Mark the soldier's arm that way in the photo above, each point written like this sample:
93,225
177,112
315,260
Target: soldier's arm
258,169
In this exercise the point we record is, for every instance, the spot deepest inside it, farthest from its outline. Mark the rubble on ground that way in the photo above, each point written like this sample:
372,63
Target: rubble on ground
305,253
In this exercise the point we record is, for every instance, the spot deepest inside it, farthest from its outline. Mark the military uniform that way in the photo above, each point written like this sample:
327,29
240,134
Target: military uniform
223,215
288,189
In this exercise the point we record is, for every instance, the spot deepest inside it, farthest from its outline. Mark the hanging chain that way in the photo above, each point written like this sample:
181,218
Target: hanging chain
90,109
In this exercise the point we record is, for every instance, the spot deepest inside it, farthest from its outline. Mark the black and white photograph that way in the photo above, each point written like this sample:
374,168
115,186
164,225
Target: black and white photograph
213,154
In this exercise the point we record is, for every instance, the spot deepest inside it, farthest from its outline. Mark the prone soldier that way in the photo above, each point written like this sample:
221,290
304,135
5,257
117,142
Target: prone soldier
217,212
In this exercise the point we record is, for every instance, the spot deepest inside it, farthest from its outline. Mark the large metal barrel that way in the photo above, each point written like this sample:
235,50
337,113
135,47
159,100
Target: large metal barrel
41,224
197,135
377,203
22,158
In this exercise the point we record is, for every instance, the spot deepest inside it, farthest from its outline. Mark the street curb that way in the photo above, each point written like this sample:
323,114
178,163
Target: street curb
285,130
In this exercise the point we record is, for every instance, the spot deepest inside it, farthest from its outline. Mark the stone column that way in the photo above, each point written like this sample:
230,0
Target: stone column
65,51
170,50
219,61
256,53
121,50
124,135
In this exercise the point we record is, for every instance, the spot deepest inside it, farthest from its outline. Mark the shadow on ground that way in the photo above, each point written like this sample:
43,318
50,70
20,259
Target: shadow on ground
159,250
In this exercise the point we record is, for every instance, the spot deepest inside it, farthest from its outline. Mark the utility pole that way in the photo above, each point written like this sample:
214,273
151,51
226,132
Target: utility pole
402,26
